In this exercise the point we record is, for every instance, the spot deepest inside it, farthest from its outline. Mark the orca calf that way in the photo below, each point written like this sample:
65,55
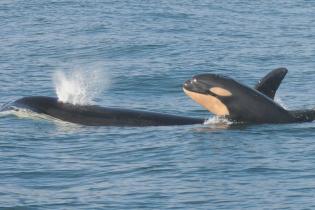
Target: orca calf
226,97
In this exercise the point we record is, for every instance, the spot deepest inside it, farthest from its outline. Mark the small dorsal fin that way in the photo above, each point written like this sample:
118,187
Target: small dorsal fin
270,83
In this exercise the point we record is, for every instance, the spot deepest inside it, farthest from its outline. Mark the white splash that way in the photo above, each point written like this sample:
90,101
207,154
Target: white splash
279,101
80,86
26,113
5,113
216,120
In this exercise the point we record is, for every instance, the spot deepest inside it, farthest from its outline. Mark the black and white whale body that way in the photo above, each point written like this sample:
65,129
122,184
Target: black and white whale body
220,95
226,97
99,116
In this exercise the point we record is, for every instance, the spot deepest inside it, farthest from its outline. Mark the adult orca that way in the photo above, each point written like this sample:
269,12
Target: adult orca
99,116
228,98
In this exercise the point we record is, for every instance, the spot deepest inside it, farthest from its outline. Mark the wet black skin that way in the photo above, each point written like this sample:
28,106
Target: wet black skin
249,105
269,84
100,116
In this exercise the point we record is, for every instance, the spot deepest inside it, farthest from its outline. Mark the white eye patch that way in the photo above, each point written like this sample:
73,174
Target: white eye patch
220,91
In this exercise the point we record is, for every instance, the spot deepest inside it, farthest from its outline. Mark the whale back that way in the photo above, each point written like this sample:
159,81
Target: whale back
38,104
96,115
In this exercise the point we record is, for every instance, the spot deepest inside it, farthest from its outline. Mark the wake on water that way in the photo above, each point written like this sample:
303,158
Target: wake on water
216,120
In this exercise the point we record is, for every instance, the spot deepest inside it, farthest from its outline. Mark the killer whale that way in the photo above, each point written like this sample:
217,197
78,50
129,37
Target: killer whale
93,115
224,96
221,95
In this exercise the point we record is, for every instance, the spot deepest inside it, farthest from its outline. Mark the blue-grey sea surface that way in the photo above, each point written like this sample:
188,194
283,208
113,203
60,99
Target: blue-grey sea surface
148,49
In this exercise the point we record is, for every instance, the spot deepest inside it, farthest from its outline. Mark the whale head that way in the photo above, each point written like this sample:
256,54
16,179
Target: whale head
208,90
226,97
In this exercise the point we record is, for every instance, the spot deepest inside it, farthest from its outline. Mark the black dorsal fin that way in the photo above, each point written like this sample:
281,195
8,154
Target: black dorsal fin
270,83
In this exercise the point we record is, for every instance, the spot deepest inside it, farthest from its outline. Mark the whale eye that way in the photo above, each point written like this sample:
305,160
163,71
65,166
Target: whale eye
220,91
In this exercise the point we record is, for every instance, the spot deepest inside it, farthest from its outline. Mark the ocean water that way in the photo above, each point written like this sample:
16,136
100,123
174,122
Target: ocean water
144,51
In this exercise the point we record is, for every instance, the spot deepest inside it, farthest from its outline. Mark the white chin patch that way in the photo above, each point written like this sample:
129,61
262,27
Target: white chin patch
211,103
